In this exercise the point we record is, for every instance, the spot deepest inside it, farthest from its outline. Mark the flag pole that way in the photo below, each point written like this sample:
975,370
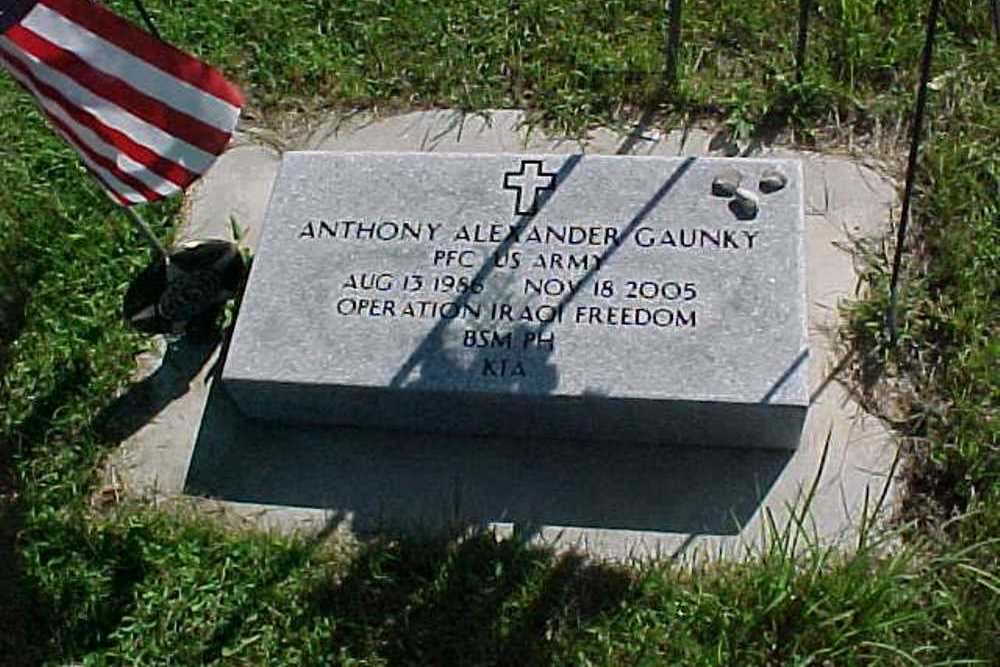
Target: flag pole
147,231
146,19
800,46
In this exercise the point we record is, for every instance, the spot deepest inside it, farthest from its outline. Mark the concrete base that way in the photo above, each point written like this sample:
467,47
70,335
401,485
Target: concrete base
182,436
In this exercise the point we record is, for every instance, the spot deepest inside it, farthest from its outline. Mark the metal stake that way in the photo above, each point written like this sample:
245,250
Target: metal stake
995,10
800,47
911,167
673,41
147,231
145,17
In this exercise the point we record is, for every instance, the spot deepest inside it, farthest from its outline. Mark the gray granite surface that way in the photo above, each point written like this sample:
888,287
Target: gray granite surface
604,297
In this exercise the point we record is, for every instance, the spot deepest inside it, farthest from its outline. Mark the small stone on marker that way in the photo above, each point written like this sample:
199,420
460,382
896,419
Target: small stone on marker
772,180
744,204
726,183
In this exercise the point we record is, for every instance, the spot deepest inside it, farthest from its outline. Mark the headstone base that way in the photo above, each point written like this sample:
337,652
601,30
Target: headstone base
666,422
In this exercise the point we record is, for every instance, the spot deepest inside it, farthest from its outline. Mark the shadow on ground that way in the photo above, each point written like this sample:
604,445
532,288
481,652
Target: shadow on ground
138,406
38,624
25,616
17,610
20,269
401,481
475,601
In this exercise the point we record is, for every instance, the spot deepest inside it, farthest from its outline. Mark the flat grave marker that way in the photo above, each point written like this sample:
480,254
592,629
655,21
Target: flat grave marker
551,296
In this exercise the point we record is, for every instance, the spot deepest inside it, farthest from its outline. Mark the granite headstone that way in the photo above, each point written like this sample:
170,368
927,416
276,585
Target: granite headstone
553,296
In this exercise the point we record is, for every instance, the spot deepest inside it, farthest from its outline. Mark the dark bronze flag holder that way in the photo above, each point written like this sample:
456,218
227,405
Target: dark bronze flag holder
186,290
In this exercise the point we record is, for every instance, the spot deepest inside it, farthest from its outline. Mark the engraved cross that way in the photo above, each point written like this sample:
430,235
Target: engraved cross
528,183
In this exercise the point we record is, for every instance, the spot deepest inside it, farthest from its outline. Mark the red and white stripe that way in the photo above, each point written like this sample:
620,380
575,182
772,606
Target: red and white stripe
146,118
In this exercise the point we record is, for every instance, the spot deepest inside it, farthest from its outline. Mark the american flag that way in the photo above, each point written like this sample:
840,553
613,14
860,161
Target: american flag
146,118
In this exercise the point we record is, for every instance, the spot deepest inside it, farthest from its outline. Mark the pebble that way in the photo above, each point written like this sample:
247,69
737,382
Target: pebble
726,182
744,204
772,180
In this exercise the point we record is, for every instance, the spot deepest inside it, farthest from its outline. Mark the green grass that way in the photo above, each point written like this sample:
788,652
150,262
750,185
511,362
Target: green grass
136,586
